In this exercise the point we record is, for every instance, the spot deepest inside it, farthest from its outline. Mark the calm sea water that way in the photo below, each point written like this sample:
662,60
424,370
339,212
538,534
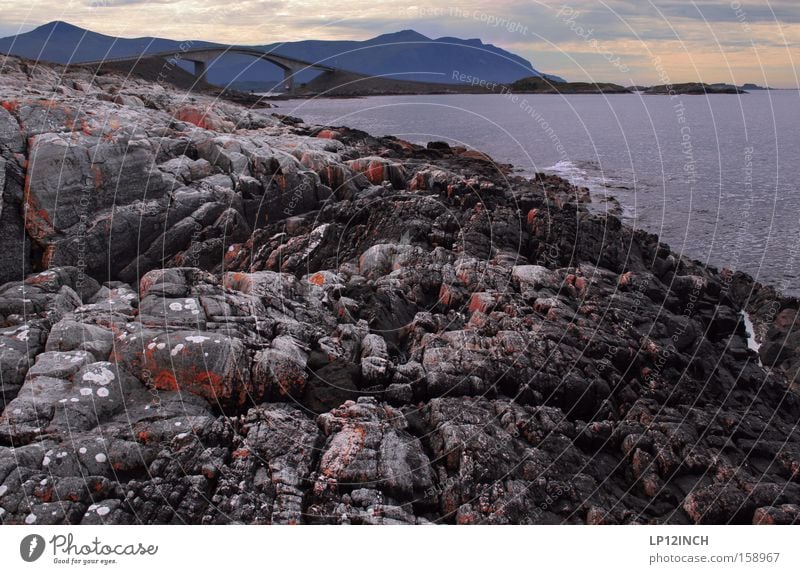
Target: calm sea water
717,177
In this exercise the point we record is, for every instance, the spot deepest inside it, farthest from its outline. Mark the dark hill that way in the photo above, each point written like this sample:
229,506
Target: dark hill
406,55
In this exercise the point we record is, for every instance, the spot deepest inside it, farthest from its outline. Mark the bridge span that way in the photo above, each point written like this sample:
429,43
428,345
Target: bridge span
200,57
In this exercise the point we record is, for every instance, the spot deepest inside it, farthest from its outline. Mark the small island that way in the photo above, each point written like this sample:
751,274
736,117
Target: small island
693,89
541,85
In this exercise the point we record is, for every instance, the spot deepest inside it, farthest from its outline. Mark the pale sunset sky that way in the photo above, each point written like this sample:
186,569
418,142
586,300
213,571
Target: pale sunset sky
623,41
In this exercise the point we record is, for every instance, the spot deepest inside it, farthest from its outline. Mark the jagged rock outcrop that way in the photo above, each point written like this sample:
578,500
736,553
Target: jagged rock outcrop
215,315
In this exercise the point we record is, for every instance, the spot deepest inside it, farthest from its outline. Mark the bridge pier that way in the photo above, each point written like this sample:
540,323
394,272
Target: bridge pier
288,80
199,70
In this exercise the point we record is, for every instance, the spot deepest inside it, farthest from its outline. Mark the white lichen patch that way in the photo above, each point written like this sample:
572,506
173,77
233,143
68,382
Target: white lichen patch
100,457
177,349
197,339
99,509
187,305
99,376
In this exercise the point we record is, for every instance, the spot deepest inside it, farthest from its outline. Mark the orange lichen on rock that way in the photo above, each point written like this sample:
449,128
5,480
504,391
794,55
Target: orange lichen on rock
37,221
317,279
240,453
482,302
166,381
193,115
343,450
377,170
448,296
328,134
476,156
205,118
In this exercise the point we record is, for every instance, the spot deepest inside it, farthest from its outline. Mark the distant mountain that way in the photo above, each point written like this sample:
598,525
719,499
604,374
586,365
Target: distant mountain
63,43
406,55
409,55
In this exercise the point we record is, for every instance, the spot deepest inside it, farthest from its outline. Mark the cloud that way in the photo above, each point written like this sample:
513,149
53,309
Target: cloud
117,3
727,11
694,36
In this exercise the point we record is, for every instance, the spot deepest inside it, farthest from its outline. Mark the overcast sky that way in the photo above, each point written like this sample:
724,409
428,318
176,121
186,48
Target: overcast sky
625,41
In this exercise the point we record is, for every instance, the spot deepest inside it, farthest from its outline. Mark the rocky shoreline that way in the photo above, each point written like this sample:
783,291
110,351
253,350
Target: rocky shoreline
212,314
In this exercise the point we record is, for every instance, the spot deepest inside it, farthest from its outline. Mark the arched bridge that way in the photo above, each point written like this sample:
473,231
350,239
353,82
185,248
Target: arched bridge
200,57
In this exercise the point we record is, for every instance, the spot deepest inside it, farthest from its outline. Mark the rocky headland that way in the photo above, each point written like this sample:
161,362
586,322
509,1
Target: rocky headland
212,314
693,89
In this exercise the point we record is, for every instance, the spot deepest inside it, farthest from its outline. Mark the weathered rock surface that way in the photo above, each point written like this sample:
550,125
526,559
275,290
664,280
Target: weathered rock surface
214,315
